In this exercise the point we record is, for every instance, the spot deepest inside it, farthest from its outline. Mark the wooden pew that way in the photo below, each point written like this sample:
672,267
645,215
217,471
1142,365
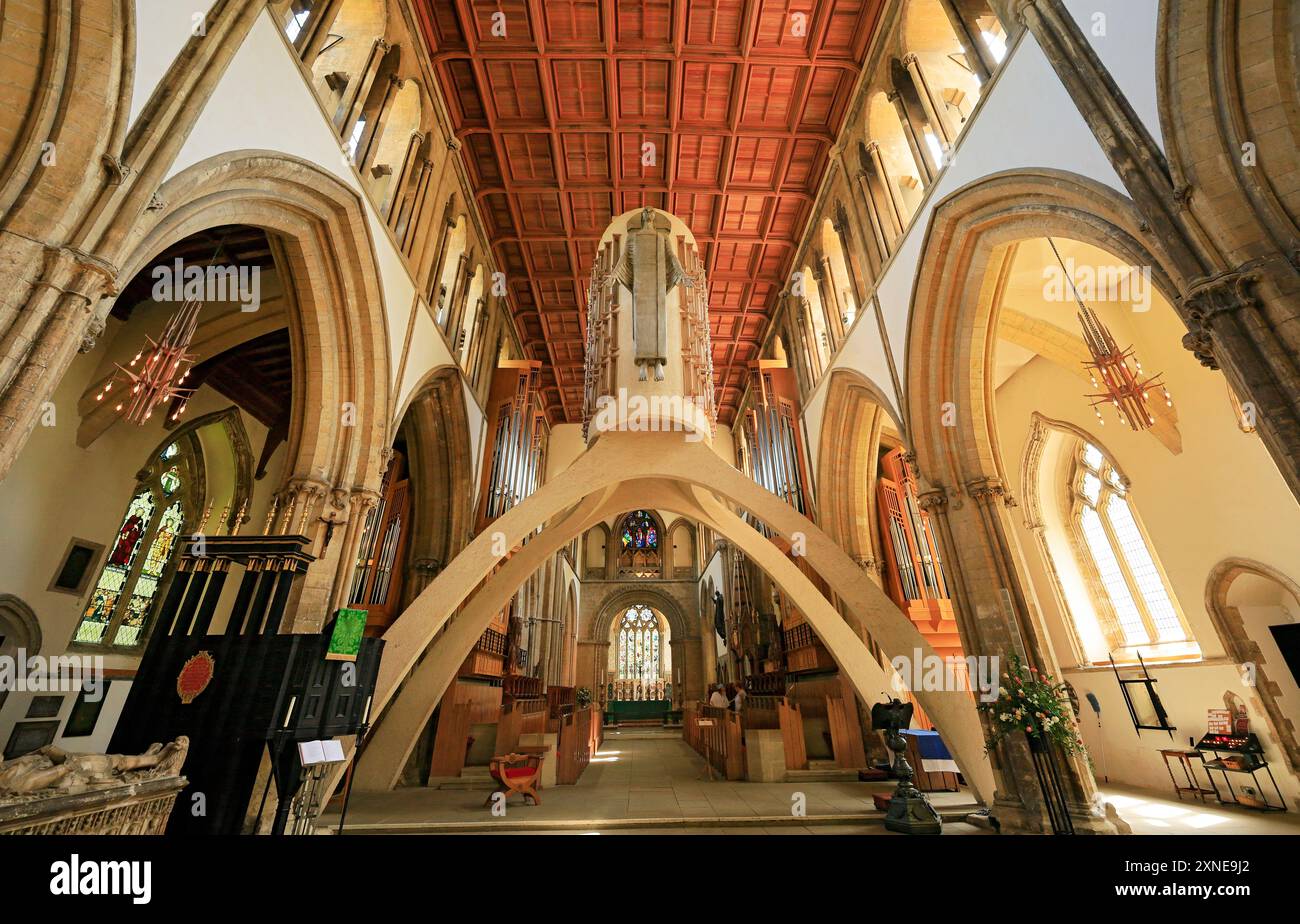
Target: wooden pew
796,751
579,738
716,734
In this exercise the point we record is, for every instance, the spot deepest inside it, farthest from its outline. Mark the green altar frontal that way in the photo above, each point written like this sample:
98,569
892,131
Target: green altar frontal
629,709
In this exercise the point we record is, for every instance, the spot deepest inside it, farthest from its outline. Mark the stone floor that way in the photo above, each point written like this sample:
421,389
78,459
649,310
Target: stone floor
648,782
641,782
1150,812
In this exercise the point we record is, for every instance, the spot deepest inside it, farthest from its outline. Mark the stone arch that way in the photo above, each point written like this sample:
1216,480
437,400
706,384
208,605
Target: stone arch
1242,649
21,619
440,464
20,630
231,422
949,319
75,72
856,412
622,469
337,321
1220,88
949,409
618,602
679,551
595,552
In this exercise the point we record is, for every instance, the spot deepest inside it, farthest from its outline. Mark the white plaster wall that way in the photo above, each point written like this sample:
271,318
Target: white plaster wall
162,29
1123,33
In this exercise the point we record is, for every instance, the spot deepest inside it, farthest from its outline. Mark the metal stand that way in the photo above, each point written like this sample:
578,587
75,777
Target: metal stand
909,812
1049,782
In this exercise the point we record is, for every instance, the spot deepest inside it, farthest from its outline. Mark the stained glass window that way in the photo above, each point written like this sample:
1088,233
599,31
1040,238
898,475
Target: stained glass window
128,587
151,573
639,532
108,589
1124,568
639,652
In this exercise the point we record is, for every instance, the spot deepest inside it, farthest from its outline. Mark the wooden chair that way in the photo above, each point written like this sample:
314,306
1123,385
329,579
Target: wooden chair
514,772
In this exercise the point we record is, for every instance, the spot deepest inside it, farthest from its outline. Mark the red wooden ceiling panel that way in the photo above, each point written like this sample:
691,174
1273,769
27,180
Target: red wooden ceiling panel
556,101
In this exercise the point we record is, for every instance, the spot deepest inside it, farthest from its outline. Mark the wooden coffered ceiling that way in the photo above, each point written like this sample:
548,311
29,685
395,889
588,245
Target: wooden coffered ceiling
741,99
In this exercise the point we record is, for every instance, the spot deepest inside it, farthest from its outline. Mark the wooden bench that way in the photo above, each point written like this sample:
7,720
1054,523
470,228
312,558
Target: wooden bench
516,772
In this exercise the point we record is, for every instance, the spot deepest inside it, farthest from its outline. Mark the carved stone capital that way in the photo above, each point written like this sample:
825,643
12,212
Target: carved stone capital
117,170
985,489
1209,299
935,499
90,335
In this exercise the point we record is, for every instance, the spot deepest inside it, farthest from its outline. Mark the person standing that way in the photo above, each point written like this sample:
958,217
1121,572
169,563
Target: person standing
718,699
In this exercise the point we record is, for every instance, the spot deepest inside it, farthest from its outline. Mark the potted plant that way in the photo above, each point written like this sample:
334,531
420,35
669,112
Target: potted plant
1034,704
583,697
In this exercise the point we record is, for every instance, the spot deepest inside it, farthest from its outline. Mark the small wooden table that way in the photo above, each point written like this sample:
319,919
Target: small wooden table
1185,758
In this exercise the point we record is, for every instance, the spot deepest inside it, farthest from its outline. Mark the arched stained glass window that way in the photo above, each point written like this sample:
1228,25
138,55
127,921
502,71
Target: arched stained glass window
638,549
638,646
127,591
639,532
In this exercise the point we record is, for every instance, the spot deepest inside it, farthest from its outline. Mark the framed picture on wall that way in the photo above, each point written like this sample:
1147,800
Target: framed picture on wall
76,566
85,712
28,736
44,707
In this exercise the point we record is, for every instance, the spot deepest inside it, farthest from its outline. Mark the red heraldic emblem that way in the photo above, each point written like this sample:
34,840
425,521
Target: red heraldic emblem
195,676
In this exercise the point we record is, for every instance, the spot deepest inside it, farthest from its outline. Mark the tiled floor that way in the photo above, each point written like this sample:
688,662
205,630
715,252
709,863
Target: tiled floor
653,783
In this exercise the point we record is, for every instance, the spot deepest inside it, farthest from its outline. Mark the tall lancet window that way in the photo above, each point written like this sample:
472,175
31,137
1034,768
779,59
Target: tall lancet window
639,655
1135,607
165,500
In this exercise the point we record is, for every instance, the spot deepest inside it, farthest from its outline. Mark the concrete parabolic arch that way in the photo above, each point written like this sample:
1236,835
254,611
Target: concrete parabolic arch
620,470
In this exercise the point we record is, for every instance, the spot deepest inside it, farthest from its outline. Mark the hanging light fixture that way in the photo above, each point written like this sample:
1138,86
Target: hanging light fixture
158,371
1117,373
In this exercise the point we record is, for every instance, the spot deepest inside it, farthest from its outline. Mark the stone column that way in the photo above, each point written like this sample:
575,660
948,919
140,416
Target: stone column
962,16
997,616
63,317
911,115
891,206
934,110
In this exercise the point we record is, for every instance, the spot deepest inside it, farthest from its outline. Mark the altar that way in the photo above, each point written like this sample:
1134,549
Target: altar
637,710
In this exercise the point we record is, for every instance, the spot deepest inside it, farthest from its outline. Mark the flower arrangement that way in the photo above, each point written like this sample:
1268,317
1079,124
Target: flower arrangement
1033,703
583,697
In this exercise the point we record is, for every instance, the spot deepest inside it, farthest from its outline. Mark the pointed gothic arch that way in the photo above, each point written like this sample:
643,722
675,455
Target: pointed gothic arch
338,325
